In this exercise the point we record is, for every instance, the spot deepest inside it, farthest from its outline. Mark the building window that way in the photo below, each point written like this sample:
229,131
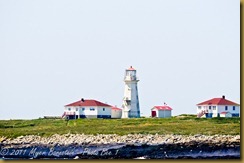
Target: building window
103,109
226,107
69,109
209,107
76,109
234,108
92,109
214,107
83,109
199,107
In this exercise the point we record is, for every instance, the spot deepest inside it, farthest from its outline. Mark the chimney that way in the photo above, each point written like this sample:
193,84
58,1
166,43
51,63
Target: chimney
223,97
82,99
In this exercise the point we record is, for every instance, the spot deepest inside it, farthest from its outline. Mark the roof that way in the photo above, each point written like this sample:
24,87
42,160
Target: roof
224,112
131,68
115,108
88,102
218,101
165,107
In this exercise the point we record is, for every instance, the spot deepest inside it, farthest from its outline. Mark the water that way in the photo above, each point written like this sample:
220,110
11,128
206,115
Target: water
123,151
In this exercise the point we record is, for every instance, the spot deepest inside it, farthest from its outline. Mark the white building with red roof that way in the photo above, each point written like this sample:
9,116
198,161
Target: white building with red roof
218,107
225,114
116,112
89,108
161,111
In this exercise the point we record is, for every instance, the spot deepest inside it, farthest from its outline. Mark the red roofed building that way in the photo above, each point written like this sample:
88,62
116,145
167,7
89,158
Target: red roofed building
225,114
87,108
161,111
214,107
116,112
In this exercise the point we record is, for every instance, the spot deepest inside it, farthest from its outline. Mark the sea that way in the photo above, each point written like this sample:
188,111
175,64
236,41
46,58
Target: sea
121,151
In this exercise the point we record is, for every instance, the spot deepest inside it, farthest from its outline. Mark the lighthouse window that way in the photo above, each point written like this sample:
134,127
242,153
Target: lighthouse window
103,109
69,109
234,108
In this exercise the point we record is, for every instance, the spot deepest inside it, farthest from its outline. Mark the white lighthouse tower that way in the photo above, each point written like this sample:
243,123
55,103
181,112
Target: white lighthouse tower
130,106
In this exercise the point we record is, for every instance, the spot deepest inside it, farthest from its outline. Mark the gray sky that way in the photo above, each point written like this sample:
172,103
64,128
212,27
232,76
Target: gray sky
54,52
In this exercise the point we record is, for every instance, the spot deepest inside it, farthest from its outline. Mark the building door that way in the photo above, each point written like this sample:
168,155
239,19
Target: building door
154,114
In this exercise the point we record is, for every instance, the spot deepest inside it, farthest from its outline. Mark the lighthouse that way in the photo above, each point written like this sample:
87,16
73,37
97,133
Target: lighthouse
130,106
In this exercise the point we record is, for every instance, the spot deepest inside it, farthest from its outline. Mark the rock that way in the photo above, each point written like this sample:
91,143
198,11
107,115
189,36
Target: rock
76,157
81,139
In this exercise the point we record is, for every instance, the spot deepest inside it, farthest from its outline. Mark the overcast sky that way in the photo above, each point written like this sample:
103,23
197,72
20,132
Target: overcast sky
54,52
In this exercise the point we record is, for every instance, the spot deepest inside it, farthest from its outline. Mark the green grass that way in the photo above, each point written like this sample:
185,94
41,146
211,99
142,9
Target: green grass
184,124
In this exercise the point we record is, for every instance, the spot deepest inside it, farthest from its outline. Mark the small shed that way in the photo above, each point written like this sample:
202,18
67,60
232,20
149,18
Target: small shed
116,112
225,114
161,111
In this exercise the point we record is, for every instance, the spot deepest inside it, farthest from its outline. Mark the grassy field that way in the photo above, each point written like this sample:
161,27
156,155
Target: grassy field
184,125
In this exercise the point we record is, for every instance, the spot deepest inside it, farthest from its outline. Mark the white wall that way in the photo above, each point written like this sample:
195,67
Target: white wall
206,107
215,111
72,109
221,108
87,110
134,100
77,110
237,111
199,110
164,113
107,111
115,113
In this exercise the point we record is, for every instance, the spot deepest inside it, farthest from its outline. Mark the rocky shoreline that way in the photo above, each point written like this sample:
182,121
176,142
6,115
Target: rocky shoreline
126,146
130,139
